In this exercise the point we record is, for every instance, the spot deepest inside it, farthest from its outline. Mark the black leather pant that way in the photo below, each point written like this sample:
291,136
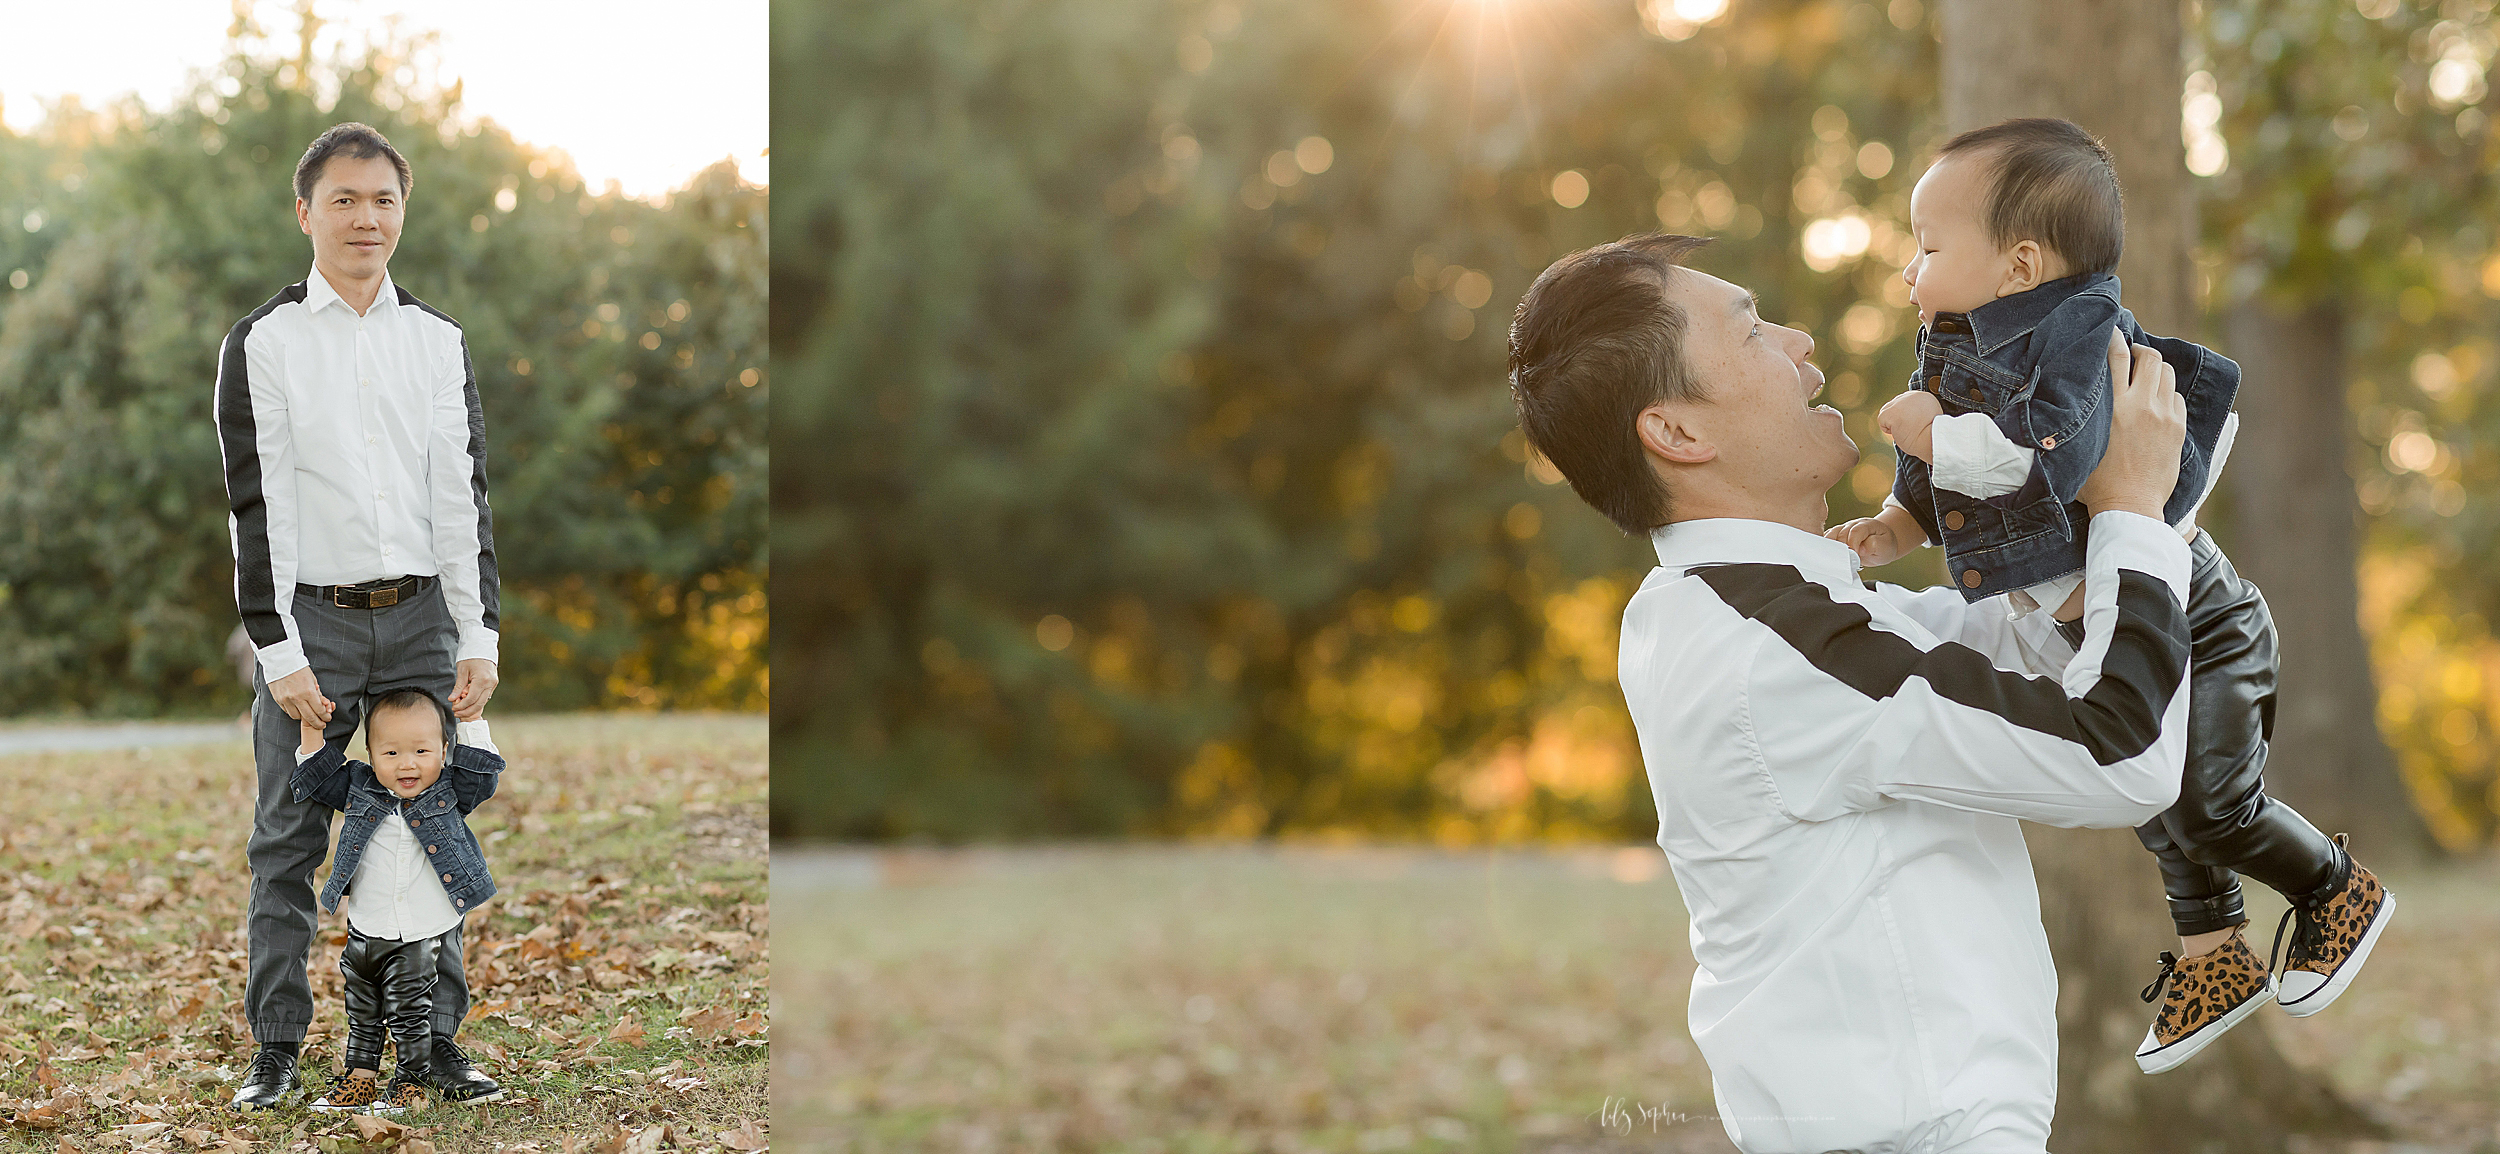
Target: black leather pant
2223,821
390,994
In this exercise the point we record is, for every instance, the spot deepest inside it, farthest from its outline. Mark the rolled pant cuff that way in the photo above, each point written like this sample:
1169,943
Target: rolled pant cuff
445,1028
280,1031
2193,916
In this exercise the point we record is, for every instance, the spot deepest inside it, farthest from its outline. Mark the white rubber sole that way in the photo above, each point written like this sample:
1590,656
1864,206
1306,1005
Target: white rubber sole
2168,1057
2303,1004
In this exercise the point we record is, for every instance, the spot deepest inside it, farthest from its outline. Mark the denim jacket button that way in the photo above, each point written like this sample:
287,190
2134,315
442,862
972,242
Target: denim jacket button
1935,384
446,878
429,849
1953,520
2048,442
1970,578
1975,395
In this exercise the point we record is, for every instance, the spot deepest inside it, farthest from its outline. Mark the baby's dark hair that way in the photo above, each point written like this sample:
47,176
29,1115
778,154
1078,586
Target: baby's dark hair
2052,183
408,697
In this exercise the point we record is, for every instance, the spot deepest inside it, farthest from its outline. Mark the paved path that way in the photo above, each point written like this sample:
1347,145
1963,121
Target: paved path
117,735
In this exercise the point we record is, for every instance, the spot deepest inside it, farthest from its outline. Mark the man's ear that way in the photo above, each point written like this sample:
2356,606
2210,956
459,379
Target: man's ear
303,216
1668,431
2028,268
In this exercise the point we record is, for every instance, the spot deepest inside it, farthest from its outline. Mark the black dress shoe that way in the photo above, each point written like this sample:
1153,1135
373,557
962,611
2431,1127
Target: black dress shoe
458,1079
273,1077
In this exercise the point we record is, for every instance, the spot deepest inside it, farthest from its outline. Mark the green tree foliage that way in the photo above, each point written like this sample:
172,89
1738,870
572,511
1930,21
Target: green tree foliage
1172,480
617,344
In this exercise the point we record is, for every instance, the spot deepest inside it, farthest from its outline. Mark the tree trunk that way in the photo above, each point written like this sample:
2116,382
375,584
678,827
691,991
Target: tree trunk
2115,67
2298,537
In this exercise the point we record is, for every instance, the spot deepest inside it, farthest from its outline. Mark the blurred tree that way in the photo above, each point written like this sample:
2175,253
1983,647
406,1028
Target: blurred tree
618,347
1159,351
2352,213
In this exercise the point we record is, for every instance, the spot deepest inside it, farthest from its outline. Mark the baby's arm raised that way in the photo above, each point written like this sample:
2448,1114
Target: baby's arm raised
476,767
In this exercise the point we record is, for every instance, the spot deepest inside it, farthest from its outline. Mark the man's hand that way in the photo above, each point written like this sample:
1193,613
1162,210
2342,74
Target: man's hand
477,683
2147,426
1907,419
299,694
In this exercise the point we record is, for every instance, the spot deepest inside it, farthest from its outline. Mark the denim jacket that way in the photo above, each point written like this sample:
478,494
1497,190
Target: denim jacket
437,815
2037,363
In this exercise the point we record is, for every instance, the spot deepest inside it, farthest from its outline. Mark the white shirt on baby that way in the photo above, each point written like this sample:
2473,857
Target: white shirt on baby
396,895
1976,459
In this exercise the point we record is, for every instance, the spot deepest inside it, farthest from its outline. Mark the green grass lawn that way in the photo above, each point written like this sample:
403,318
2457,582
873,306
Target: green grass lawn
1219,999
619,976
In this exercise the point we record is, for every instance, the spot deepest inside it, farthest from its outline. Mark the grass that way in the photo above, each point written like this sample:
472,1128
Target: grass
1185,999
618,978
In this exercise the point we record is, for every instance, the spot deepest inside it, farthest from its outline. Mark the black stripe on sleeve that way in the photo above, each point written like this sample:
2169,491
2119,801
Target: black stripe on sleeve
2117,720
238,433
489,585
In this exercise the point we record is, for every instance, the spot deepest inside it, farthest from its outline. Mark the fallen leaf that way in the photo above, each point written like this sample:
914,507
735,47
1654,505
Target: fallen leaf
52,1114
748,1136
199,1139
708,1023
628,1031
415,1146
370,1128
646,1141
753,1025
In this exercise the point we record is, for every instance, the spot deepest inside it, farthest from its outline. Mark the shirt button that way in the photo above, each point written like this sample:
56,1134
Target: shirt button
1970,578
369,440
367,382
1953,520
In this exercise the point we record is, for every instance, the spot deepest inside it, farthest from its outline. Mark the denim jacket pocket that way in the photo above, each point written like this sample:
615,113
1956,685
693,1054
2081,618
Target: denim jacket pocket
2048,423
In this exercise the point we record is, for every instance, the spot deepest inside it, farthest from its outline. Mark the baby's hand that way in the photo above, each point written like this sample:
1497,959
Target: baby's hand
1874,541
311,738
1906,419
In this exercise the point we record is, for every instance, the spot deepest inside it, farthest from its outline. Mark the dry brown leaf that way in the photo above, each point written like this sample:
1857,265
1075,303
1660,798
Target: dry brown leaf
199,1139
52,1114
710,1022
415,1146
43,1074
628,1031
753,1025
648,1140
371,1128
748,1136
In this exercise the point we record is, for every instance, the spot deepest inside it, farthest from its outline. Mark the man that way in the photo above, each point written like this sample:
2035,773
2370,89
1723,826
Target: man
1840,767
355,456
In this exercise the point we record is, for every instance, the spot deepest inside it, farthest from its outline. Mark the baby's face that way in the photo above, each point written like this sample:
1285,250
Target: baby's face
1957,268
406,746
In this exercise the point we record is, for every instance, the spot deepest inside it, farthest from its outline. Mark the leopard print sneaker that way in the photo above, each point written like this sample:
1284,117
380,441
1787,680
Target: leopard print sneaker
350,1093
2209,994
2337,926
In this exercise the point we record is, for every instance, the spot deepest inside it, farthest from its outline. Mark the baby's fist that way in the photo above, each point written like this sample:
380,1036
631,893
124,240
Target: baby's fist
1906,419
1874,542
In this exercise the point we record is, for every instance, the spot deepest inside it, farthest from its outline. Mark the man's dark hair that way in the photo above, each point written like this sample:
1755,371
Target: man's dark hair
2051,183
409,697
355,142
1594,342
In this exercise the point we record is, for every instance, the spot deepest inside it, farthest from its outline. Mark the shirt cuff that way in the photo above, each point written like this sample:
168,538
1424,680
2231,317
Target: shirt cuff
1975,458
283,658
2122,540
301,757
477,643
474,733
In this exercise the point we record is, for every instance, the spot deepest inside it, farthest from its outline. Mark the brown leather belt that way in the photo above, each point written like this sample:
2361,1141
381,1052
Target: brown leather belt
369,594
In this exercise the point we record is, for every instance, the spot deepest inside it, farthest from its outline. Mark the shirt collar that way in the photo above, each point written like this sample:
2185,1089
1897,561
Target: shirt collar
2005,318
318,293
1741,540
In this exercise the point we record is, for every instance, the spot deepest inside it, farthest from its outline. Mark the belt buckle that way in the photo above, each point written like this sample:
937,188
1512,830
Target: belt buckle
381,598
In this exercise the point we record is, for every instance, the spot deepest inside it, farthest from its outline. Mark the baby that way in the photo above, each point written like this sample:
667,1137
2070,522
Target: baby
409,870
2018,227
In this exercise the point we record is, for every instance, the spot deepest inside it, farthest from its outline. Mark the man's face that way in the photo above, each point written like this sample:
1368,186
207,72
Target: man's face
1958,268
353,217
406,746
1773,442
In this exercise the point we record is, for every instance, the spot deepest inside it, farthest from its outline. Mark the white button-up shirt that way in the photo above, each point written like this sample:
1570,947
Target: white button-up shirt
396,895
1841,772
355,450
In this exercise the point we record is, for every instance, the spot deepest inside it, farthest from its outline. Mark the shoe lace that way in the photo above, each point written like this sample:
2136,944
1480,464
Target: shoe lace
268,1064
449,1057
2308,937
2169,967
